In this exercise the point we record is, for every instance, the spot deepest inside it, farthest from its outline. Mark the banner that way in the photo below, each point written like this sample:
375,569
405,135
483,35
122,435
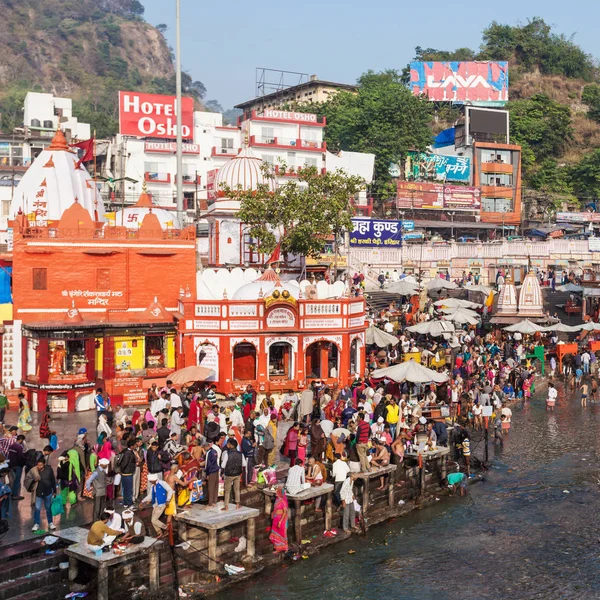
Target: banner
441,167
374,232
437,196
482,83
577,217
155,116
211,180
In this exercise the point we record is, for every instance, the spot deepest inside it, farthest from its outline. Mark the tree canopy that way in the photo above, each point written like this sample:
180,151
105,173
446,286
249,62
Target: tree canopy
302,214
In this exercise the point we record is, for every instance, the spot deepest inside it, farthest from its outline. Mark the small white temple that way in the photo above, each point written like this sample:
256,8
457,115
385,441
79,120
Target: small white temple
513,305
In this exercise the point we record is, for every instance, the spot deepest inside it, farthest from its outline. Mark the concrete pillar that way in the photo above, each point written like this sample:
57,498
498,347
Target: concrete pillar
183,530
268,505
212,550
154,569
73,568
298,521
328,511
250,537
365,498
391,480
102,582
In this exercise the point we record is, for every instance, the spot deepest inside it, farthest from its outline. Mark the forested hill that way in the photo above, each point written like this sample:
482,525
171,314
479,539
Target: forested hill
83,49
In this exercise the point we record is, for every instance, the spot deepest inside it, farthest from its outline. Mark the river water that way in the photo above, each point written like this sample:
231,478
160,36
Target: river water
529,531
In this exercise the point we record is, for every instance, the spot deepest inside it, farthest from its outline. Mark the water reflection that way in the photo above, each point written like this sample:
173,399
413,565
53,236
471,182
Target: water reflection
528,532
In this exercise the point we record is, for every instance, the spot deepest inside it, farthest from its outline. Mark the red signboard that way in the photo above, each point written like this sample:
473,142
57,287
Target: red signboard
170,148
152,115
211,180
437,196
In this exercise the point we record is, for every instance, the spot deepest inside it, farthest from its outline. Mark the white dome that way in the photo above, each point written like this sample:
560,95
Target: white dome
53,182
530,298
242,173
507,300
251,291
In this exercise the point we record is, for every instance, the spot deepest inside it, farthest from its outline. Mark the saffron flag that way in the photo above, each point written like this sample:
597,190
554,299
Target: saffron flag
276,255
88,150
490,299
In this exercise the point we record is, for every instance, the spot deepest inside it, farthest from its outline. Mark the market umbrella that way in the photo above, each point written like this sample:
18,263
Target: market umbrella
410,371
462,315
570,287
380,338
466,311
562,327
484,289
525,326
590,326
433,328
438,283
402,287
457,303
190,374
327,426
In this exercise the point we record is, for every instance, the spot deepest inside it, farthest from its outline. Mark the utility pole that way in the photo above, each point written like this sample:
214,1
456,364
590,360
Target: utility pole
179,153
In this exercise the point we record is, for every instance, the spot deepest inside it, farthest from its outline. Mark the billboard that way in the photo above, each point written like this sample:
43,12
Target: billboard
577,217
483,83
442,167
376,232
152,115
438,196
211,182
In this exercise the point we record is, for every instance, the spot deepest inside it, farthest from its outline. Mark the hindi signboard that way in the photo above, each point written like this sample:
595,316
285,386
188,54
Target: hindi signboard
376,232
440,167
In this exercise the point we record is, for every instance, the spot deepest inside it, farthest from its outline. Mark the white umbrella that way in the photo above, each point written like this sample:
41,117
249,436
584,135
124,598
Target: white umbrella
484,289
457,303
327,427
410,279
433,328
462,315
402,287
380,338
570,287
440,284
453,309
339,431
410,371
562,327
525,326
591,326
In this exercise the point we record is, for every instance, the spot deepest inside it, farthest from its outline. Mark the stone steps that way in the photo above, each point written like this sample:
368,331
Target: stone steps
36,582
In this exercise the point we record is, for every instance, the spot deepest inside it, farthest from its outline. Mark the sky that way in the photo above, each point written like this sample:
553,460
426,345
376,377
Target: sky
224,42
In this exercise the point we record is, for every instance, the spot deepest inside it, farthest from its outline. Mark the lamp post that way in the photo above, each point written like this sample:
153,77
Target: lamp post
179,123
452,225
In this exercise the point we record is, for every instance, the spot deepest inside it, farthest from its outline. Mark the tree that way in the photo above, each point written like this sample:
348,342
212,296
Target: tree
162,28
591,97
586,176
541,126
301,214
213,106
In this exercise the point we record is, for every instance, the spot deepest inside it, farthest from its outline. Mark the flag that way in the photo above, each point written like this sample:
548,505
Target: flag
88,150
276,255
490,299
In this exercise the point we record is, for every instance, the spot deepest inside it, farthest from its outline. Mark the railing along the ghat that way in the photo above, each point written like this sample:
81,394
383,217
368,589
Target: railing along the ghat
108,233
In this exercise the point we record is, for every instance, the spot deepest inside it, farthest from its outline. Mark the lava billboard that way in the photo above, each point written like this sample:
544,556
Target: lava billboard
483,83
155,116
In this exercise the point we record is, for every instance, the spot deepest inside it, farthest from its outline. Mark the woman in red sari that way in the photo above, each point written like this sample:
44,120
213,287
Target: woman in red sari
279,521
329,410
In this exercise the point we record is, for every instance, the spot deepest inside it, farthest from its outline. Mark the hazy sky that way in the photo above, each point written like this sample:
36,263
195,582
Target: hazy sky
224,42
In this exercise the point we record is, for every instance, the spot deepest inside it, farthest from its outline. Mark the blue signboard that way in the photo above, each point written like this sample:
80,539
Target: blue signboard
408,225
423,166
376,232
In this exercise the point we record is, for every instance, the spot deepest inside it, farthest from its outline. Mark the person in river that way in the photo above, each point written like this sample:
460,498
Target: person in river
551,399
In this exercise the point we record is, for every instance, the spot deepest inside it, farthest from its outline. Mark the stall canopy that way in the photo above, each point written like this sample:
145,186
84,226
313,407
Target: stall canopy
190,375
526,327
457,303
570,287
462,315
440,284
484,289
380,338
594,292
404,288
591,326
433,328
562,327
410,371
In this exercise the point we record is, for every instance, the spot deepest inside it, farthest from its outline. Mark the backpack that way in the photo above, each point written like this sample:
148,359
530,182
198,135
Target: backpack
118,461
268,441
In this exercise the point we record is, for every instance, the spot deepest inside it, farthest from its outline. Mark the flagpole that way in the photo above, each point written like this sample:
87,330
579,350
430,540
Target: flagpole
179,153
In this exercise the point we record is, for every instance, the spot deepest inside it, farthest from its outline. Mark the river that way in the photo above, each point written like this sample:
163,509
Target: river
529,531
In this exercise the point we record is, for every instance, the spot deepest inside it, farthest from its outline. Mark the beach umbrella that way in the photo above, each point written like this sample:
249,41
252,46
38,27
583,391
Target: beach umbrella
380,338
191,374
440,284
410,371
526,327
457,303
433,328
462,315
570,287
402,287
562,327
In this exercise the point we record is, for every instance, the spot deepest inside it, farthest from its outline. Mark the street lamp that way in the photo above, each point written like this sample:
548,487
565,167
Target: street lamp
452,226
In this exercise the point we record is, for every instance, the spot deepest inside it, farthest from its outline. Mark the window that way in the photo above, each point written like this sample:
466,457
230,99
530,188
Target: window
496,156
268,159
498,205
102,279
280,360
190,201
267,135
497,179
76,360
226,144
291,160
310,162
155,351
40,279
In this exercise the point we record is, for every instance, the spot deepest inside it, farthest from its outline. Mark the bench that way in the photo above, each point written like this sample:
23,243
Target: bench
366,477
213,519
79,552
326,489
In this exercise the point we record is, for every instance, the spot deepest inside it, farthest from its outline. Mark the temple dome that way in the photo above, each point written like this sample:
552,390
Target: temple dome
242,173
507,299
132,216
53,182
530,298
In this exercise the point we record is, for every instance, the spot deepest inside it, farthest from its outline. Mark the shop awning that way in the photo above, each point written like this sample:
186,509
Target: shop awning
593,292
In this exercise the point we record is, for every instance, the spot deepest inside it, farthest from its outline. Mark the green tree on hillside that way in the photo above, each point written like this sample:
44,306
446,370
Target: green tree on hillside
586,177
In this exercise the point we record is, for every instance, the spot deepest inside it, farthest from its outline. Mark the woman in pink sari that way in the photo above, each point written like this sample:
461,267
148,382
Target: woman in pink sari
279,521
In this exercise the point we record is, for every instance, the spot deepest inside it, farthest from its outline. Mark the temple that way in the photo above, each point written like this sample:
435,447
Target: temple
512,306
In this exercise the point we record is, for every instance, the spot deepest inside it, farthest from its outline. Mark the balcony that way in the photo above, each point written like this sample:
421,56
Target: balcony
497,167
225,152
156,177
192,179
288,144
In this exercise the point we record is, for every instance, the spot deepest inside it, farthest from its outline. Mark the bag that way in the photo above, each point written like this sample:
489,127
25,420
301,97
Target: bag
72,498
88,493
29,481
118,461
197,492
268,441
57,507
